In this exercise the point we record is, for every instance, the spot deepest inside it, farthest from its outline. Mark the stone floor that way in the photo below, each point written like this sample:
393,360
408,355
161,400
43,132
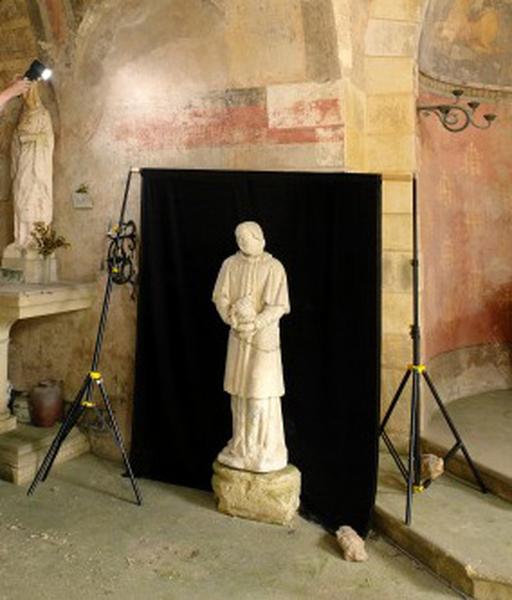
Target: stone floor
81,537
485,423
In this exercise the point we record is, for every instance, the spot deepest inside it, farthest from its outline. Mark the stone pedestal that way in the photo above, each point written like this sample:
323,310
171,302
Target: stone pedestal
269,497
23,301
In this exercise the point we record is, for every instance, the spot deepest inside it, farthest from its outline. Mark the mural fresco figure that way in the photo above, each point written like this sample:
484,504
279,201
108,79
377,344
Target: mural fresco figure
472,24
251,296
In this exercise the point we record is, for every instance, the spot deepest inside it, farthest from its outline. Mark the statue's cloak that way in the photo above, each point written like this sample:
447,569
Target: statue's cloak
253,366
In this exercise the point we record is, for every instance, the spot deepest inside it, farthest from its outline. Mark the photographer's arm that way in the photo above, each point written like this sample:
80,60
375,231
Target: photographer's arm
18,87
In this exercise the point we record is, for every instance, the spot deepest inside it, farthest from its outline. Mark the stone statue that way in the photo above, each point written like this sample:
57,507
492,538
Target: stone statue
251,295
32,168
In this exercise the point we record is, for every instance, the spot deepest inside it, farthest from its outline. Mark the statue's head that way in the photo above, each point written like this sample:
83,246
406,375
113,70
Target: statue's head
250,238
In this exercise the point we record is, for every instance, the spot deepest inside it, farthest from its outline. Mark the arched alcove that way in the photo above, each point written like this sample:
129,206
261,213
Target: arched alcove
465,182
467,42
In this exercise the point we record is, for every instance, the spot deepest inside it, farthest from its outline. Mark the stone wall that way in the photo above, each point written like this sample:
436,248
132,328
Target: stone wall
294,84
188,83
380,136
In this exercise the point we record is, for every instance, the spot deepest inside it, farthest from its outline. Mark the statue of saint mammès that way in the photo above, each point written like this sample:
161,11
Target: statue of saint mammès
251,296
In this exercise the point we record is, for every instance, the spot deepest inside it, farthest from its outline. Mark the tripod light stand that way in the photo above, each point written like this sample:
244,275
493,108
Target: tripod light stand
120,271
411,471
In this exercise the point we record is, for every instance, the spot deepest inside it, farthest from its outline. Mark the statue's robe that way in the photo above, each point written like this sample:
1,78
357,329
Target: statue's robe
32,168
253,366
254,374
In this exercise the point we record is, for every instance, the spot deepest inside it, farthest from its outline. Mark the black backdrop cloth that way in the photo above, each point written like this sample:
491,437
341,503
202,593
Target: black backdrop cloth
325,229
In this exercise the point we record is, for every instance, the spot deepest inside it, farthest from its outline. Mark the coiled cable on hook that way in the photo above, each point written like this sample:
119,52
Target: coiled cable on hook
121,253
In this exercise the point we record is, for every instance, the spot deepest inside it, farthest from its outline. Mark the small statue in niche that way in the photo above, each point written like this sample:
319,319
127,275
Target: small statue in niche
32,168
251,296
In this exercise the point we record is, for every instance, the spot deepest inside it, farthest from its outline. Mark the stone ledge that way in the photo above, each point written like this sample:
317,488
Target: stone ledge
269,497
497,483
23,301
22,450
458,532
7,423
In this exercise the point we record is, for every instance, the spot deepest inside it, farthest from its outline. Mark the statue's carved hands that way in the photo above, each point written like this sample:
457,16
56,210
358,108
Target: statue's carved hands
246,330
244,309
242,315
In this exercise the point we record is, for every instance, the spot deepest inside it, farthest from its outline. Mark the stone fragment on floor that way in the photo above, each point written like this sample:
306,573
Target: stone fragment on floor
351,544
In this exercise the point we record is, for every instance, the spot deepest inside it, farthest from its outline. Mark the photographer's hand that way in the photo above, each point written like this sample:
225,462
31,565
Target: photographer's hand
18,87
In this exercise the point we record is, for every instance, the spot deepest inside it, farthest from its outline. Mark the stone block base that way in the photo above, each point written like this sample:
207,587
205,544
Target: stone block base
22,450
268,497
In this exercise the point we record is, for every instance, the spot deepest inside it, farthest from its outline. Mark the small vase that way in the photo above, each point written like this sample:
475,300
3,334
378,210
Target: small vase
46,403
47,270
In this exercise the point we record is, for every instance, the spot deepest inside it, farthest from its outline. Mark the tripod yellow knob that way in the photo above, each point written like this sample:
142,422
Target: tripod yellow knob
418,368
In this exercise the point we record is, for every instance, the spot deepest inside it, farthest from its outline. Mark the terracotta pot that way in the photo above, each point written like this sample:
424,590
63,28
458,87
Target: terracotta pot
46,403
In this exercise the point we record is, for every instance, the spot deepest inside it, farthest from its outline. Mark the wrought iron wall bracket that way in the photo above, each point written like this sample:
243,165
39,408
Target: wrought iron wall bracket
455,117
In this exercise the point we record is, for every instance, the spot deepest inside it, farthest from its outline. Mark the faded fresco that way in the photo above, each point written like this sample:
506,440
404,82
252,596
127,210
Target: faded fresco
188,83
473,41
466,219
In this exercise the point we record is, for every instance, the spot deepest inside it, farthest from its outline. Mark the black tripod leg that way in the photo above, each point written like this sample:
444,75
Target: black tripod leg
394,454
64,430
119,440
455,433
396,397
75,412
70,423
412,447
417,428
393,451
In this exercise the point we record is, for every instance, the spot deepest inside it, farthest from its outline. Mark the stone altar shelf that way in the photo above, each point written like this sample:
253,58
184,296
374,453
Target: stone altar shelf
24,301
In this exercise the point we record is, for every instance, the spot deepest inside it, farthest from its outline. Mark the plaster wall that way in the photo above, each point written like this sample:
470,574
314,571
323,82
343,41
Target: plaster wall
464,193
468,42
298,84
467,256
188,83
466,215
